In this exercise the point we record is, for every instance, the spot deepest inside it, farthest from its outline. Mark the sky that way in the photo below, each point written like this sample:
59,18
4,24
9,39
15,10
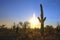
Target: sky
21,10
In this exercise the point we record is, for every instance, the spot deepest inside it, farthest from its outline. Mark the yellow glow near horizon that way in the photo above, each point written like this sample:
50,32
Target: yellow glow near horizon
34,22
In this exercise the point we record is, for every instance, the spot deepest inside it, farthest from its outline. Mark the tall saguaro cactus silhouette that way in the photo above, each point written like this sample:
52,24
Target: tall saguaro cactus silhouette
41,20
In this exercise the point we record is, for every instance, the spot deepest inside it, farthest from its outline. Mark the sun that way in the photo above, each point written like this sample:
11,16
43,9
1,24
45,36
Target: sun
34,22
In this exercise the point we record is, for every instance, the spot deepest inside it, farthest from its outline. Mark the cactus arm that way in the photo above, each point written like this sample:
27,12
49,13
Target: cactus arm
44,18
39,19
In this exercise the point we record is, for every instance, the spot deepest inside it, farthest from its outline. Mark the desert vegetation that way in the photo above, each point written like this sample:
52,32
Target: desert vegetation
23,32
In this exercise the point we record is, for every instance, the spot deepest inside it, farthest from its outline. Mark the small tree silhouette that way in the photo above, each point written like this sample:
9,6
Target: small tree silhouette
58,31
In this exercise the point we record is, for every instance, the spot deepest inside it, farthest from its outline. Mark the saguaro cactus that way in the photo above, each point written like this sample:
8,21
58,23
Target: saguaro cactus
41,20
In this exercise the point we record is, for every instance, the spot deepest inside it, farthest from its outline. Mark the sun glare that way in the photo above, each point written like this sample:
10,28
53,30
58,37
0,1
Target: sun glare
34,22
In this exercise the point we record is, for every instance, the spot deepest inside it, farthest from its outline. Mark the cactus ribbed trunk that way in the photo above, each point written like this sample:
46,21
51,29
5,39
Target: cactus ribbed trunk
42,19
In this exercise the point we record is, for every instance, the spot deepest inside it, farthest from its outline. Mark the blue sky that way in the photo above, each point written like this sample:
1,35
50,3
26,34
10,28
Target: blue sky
21,10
